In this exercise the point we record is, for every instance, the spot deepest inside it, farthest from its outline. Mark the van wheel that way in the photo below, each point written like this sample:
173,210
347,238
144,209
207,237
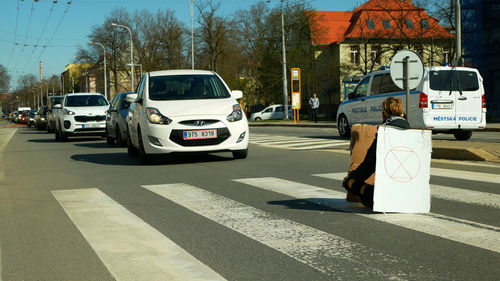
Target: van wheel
462,135
343,127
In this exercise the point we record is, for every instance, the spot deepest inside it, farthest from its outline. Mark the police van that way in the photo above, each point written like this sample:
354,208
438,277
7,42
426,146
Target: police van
447,100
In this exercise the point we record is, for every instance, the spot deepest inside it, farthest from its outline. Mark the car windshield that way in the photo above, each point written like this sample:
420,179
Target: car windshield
56,100
446,80
86,100
185,87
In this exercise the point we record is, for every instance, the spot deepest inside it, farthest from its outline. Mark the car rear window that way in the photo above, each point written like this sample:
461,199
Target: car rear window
184,87
446,80
90,100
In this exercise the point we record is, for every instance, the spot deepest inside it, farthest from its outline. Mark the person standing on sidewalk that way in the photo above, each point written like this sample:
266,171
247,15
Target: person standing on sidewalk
314,103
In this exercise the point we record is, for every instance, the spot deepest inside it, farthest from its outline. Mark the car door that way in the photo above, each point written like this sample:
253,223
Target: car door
135,112
109,117
358,106
278,112
267,113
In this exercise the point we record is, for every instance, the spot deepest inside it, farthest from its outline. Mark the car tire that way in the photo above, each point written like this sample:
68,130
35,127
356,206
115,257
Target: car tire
144,157
57,136
343,127
257,119
119,139
240,154
131,150
109,139
462,135
63,137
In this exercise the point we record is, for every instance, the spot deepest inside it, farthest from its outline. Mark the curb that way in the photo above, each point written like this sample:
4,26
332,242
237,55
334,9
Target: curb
328,125
469,154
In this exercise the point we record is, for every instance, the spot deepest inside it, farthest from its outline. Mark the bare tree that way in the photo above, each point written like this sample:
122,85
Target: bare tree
4,79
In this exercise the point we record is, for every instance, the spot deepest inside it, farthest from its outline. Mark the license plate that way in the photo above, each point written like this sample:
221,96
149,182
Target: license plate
441,105
200,134
91,125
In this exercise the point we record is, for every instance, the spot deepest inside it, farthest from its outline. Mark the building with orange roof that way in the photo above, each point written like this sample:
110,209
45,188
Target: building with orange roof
353,43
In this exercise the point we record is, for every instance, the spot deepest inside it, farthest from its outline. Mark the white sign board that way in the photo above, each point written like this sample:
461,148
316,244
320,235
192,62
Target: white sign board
296,100
415,71
402,171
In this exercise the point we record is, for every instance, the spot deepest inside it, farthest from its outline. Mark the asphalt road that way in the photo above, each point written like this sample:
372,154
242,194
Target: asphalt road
84,210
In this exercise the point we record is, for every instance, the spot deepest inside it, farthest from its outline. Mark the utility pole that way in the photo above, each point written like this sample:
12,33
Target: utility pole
458,35
131,55
105,77
283,53
192,33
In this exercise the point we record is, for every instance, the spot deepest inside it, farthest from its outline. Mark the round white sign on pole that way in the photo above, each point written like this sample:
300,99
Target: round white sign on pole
416,69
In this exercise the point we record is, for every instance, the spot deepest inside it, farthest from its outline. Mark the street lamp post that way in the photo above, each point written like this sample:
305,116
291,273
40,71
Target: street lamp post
105,78
283,51
192,33
131,56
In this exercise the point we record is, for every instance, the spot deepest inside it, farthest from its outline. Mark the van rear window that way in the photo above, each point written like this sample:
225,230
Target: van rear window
446,80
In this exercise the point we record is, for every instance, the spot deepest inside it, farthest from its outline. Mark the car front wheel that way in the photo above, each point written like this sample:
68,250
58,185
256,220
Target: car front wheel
240,154
343,127
144,157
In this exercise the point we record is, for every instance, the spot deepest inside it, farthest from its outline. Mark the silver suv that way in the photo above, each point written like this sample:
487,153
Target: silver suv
81,114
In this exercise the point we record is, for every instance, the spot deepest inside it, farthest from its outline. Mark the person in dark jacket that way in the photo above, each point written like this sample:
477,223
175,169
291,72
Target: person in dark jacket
354,183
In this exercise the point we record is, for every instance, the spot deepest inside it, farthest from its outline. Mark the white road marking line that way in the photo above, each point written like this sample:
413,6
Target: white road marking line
6,135
313,247
277,141
321,146
466,175
130,248
447,193
309,143
466,163
463,231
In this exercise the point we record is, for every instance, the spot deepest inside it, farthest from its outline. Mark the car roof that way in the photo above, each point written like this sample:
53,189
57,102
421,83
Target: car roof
84,94
180,72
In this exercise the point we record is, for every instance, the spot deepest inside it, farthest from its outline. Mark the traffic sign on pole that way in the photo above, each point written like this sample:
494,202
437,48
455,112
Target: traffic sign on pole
407,70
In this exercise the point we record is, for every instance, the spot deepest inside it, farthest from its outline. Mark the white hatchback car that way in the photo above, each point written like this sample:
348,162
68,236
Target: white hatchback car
272,112
185,111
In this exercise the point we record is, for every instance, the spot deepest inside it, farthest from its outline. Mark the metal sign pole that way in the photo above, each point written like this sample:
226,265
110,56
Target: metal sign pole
406,77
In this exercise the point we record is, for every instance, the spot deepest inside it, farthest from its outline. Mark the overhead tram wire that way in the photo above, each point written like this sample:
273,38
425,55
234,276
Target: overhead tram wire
15,35
26,34
55,30
36,45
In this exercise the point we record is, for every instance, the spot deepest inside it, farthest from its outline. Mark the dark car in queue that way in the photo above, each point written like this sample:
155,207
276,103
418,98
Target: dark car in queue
41,118
116,125
30,118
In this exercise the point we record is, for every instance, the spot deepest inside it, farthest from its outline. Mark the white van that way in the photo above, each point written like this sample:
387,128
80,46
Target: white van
447,100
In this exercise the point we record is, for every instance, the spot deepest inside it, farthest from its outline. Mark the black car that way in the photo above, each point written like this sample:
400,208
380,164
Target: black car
116,126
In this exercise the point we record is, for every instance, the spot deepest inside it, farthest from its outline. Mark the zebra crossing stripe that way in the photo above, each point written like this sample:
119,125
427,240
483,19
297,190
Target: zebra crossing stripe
463,231
129,247
446,193
322,146
465,175
322,251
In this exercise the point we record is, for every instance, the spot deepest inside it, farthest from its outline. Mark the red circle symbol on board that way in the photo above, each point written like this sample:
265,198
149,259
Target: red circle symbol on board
402,164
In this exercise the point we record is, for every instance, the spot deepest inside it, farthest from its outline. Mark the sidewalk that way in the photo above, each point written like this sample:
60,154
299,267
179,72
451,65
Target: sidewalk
441,149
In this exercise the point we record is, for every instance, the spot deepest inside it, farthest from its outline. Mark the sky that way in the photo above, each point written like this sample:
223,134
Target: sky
41,30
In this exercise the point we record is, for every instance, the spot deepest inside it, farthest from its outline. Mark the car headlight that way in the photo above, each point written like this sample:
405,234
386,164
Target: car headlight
68,112
236,115
155,117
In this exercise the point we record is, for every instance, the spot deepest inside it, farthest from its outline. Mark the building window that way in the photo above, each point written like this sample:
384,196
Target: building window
409,24
354,54
370,24
446,55
376,55
425,24
387,24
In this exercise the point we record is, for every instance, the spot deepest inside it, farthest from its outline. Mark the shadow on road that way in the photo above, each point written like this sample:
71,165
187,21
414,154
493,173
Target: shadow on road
43,140
327,137
101,144
308,204
123,159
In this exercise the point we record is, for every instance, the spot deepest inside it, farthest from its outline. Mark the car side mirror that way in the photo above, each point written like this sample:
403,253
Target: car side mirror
58,106
236,94
131,98
111,109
